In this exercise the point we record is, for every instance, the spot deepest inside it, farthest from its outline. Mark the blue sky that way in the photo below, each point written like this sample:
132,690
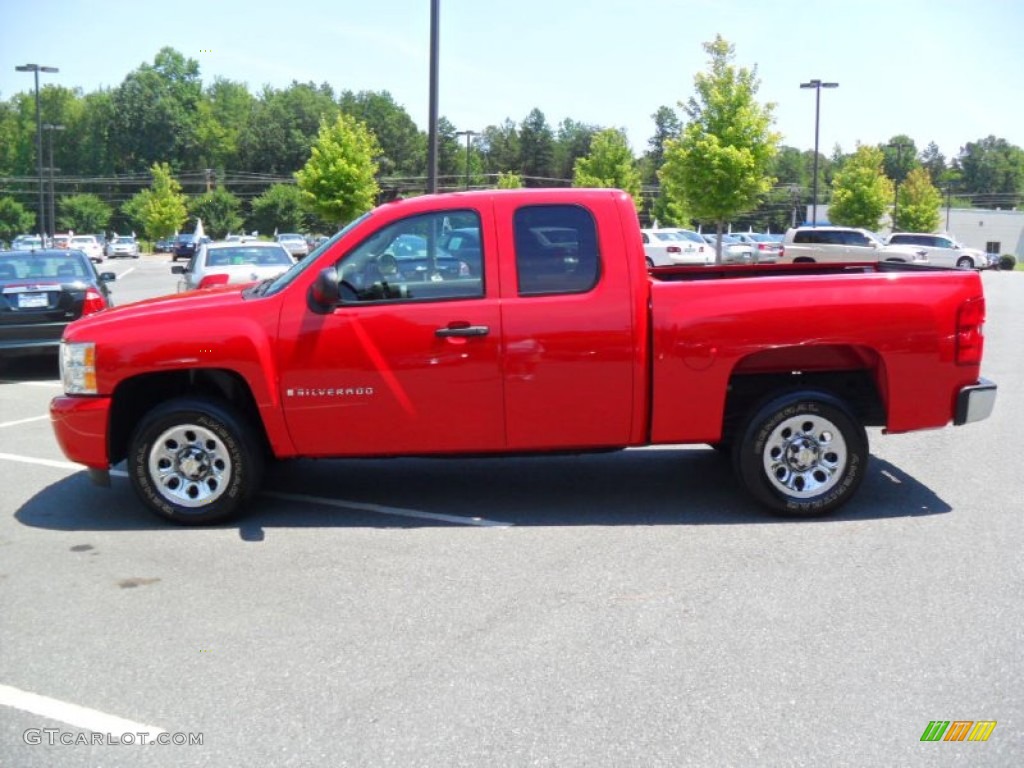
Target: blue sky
948,71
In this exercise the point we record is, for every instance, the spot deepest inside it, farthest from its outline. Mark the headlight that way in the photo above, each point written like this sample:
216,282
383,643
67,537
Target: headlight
78,367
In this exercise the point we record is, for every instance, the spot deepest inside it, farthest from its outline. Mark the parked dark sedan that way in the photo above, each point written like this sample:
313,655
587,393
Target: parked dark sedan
41,292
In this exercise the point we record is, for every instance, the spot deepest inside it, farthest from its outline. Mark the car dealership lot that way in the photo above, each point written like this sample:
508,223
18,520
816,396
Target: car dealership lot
632,608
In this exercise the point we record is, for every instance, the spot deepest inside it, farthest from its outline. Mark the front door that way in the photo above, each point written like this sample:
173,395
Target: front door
409,362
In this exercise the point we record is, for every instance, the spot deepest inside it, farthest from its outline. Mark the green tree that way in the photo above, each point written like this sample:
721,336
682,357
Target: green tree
536,150
403,145
509,180
720,166
156,110
899,157
667,125
609,164
992,171
572,142
339,182
280,208
220,211
14,219
284,126
160,210
933,161
500,147
919,203
861,192
83,213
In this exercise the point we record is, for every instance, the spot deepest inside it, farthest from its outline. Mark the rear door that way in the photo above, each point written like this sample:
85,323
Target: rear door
568,318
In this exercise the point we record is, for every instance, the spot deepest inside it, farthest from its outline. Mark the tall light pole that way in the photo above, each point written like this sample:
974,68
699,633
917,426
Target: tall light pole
435,24
35,68
469,137
899,146
50,128
817,85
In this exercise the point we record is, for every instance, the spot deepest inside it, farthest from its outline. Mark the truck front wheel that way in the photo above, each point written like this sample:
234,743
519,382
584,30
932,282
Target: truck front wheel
194,461
802,453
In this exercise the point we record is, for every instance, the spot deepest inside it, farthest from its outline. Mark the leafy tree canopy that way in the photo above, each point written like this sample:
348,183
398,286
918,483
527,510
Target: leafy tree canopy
861,192
609,164
720,165
919,203
339,181
83,213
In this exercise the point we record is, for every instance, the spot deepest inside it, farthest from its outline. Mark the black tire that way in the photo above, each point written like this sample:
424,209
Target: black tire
195,461
802,454
965,262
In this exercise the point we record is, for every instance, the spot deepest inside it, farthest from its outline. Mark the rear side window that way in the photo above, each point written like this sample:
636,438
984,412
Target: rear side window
556,250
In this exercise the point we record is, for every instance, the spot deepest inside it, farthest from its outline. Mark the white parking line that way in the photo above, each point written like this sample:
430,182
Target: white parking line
72,714
380,509
51,383
41,462
22,421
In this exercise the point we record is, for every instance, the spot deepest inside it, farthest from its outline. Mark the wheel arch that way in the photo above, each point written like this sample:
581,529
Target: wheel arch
853,374
135,397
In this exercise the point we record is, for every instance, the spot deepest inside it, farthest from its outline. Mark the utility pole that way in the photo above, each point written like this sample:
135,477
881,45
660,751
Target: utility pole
469,137
50,128
899,146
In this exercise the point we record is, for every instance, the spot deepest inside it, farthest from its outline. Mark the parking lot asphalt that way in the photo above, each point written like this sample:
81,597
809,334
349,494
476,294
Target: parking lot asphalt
623,609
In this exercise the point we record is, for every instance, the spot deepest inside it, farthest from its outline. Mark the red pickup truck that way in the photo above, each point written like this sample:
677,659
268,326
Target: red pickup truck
518,321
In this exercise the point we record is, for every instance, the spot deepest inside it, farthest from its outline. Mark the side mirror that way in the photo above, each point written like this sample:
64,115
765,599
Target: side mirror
325,293
108,277
178,269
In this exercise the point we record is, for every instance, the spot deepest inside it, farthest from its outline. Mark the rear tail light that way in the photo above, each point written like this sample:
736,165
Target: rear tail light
970,337
211,280
93,302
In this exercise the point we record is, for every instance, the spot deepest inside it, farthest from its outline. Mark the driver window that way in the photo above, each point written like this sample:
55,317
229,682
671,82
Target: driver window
408,261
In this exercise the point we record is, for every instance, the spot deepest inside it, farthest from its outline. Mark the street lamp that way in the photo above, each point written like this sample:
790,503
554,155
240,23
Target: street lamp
817,85
469,137
35,68
50,128
899,146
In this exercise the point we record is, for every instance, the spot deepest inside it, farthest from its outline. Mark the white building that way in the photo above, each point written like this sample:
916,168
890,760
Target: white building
991,231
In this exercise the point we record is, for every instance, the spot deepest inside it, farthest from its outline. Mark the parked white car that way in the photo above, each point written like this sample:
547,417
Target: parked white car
232,262
89,245
843,244
671,247
943,250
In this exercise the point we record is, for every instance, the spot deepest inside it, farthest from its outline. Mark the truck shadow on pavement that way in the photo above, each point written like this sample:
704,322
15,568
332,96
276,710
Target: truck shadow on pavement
673,486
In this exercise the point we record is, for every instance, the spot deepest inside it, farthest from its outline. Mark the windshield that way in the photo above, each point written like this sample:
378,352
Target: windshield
284,280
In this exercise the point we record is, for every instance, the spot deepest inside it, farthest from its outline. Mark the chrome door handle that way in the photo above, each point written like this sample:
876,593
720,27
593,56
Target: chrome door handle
462,330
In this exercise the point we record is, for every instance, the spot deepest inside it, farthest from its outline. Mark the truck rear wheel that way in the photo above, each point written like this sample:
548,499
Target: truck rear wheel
802,454
194,461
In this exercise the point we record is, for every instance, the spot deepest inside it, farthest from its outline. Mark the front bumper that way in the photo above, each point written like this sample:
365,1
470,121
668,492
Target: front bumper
80,426
975,402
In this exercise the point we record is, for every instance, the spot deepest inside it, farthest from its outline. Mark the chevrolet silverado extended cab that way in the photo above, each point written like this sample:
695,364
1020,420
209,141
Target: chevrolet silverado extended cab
560,339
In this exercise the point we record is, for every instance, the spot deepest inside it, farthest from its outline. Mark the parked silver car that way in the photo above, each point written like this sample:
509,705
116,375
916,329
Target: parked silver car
232,262
123,245
296,244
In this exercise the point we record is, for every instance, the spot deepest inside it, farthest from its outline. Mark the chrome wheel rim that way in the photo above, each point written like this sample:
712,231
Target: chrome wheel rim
190,465
805,456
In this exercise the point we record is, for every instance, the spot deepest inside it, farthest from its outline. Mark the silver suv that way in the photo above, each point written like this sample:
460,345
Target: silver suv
843,244
942,250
